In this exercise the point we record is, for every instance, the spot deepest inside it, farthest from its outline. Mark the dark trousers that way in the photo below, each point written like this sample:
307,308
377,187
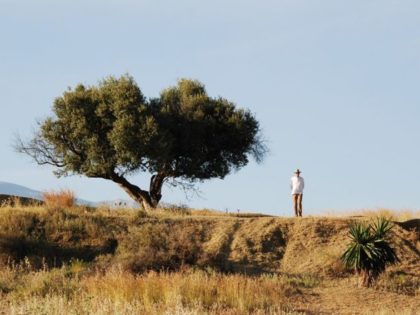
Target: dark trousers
297,204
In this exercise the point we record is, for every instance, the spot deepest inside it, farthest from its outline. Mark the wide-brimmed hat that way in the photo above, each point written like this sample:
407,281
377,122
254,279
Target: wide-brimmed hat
297,171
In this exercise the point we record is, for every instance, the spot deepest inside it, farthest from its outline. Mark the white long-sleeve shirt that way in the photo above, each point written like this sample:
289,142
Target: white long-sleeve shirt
297,184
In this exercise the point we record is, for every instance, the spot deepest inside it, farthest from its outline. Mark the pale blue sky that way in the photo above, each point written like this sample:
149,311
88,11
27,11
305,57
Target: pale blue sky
335,85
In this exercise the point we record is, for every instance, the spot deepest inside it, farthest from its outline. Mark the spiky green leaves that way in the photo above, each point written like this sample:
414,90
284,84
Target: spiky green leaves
368,250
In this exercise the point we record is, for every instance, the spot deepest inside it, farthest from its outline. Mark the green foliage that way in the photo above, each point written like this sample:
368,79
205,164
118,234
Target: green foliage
111,130
369,252
204,137
99,129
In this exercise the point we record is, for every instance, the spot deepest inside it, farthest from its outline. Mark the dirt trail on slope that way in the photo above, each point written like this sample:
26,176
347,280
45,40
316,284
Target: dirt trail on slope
314,246
302,245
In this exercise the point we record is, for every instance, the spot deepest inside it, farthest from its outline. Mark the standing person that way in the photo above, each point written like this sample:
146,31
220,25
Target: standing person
297,184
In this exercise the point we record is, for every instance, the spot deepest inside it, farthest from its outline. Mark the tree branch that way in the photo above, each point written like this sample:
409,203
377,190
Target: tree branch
39,149
188,187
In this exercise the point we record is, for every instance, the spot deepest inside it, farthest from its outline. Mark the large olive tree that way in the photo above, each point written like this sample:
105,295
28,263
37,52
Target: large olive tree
111,131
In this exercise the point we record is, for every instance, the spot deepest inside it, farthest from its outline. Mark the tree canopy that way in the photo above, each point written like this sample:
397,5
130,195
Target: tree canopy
111,131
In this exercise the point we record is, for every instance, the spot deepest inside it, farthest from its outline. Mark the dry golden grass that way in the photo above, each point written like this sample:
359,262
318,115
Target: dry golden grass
394,215
189,288
78,290
78,260
59,199
207,212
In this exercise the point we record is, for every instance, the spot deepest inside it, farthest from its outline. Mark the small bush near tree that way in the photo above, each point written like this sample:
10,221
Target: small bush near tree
59,199
369,252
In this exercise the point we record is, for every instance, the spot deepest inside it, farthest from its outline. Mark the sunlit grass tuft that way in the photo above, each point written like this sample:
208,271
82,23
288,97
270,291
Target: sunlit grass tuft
59,199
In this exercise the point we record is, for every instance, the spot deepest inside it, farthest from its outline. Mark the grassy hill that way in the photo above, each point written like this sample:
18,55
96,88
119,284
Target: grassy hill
9,200
202,262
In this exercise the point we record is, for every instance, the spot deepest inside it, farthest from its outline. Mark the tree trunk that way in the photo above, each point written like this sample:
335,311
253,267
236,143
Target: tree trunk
155,190
142,197
366,278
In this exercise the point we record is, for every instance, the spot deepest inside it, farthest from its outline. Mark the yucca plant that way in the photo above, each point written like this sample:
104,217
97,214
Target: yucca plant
369,252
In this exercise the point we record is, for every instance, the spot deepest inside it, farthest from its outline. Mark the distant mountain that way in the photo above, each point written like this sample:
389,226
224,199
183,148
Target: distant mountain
22,191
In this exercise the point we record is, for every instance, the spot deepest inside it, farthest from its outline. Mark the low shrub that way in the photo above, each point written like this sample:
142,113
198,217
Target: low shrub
59,199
